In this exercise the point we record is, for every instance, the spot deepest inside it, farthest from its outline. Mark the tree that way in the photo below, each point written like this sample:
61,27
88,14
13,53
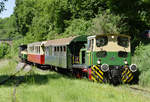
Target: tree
2,5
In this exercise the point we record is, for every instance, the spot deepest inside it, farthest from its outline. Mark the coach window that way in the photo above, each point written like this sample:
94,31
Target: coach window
64,48
32,49
50,50
55,49
58,49
29,49
39,49
35,49
61,48
46,51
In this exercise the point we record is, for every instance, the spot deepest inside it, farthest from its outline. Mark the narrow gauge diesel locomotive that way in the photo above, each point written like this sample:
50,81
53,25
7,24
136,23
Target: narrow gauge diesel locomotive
103,58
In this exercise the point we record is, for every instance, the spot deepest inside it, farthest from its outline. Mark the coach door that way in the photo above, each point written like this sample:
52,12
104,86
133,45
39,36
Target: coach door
90,51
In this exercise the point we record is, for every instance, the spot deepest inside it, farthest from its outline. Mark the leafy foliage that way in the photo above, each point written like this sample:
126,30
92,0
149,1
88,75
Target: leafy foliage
77,27
8,28
4,49
43,19
139,49
141,58
2,5
105,23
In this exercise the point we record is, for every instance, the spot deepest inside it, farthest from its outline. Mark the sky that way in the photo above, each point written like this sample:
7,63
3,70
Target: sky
9,6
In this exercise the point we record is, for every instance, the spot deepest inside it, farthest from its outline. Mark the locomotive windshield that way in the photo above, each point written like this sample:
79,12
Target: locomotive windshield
101,41
123,41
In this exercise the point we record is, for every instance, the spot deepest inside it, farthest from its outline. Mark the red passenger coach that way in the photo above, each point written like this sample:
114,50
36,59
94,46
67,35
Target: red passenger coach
36,53
35,58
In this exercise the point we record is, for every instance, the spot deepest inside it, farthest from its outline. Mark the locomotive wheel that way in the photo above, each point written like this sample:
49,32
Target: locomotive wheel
77,73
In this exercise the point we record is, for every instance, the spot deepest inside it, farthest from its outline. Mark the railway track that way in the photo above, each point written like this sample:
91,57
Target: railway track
21,67
139,89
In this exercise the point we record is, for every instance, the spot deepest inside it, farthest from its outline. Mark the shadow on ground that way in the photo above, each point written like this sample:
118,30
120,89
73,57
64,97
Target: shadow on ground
29,79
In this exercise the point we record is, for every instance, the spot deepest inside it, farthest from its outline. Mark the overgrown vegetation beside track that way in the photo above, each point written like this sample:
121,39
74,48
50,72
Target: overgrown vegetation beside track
7,66
142,59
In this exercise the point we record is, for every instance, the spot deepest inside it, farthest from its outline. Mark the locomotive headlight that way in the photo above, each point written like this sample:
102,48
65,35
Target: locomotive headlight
125,62
112,37
105,67
98,61
133,67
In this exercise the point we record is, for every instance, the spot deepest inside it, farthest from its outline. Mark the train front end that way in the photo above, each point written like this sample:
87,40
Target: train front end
109,58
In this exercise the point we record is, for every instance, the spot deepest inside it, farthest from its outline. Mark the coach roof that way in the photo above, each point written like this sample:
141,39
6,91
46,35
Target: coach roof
37,43
65,41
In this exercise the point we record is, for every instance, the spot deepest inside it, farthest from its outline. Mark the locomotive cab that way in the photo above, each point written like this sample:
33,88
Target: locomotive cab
23,52
109,58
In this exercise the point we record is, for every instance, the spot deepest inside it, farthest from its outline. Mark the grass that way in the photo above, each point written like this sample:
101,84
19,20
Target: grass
7,67
142,59
59,88
6,94
39,86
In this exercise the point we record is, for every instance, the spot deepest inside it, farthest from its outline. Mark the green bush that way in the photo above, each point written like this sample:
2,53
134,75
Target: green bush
77,27
141,58
145,78
105,23
139,49
4,49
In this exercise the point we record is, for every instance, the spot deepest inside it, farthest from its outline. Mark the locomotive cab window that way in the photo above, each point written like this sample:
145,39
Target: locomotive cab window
101,41
90,44
123,41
